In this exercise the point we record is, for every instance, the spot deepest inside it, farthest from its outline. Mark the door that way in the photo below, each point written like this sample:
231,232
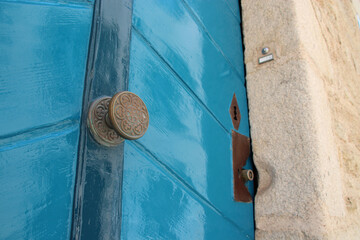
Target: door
186,63
182,58
43,55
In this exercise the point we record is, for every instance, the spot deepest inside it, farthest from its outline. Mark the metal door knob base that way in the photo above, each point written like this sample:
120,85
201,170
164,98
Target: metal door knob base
247,175
111,120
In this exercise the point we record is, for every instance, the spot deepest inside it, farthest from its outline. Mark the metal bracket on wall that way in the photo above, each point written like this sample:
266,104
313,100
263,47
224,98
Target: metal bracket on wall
267,58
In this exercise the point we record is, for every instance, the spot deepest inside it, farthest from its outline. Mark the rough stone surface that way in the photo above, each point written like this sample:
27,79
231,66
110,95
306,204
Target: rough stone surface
305,116
340,36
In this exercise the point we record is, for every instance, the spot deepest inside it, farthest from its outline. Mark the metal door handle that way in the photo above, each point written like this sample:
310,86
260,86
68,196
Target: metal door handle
113,119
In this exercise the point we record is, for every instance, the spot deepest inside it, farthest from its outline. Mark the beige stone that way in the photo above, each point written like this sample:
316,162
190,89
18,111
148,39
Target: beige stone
304,110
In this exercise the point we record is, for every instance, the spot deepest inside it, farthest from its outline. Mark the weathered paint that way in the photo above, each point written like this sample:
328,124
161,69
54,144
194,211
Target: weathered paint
218,22
190,52
178,176
234,6
158,207
43,52
97,208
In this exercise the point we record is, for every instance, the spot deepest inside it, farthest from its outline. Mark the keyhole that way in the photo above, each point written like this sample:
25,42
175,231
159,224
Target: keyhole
235,113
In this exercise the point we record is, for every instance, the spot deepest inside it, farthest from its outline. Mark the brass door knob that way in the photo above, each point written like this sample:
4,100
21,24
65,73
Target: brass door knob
113,119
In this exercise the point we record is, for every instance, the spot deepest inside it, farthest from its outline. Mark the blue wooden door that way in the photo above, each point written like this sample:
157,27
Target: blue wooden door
43,55
186,63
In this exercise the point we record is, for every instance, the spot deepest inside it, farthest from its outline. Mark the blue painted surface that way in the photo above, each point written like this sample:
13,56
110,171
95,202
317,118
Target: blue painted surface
188,50
234,6
178,176
43,48
157,207
37,180
218,21
97,202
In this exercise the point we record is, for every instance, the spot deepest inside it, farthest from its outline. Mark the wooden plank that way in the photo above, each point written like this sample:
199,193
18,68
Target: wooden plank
97,207
37,181
42,68
157,207
184,46
42,64
182,135
224,29
234,5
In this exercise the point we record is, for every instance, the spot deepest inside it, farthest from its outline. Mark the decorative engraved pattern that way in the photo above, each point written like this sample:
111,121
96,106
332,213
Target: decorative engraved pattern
129,115
102,133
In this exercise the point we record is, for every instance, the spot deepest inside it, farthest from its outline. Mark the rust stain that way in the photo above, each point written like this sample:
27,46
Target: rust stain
235,113
241,152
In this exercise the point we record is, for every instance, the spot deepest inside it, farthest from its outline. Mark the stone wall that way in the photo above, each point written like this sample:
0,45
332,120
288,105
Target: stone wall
341,34
305,116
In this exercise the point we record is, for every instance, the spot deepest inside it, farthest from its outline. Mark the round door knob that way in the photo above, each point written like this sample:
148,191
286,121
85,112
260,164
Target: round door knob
124,116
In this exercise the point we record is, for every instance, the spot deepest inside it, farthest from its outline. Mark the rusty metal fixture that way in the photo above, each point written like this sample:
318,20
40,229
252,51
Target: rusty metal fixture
241,152
247,175
111,120
235,113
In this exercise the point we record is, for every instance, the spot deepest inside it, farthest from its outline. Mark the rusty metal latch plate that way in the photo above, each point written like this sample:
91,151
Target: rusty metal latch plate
241,152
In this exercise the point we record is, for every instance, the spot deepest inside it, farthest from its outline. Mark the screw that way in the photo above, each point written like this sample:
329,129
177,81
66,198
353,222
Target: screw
265,50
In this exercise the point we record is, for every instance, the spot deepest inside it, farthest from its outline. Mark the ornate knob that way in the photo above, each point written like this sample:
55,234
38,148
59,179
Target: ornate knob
124,116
